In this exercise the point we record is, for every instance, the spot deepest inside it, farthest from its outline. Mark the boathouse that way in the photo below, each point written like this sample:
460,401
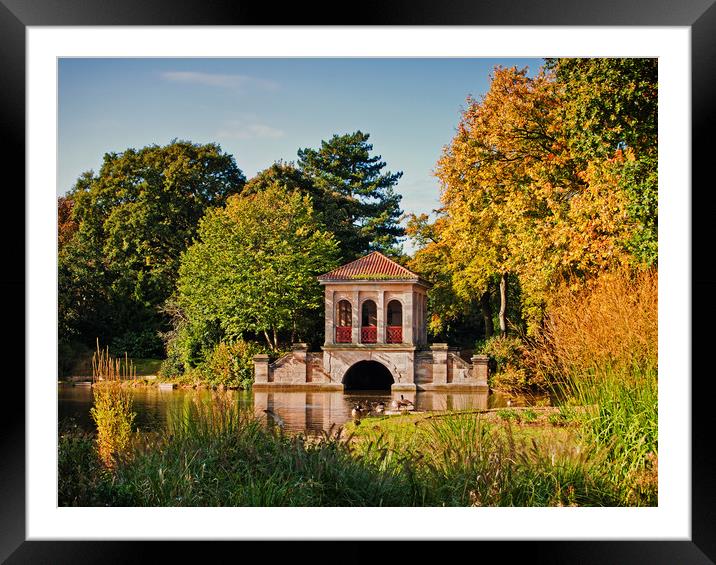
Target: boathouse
376,338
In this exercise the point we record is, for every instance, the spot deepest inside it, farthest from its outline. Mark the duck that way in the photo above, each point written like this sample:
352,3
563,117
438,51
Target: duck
275,417
358,411
379,407
405,401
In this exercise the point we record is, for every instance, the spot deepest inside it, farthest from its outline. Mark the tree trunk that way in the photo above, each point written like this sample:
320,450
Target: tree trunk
486,307
268,340
275,339
503,304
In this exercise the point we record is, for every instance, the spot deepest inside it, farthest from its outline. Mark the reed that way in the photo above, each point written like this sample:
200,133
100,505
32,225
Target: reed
600,349
112,405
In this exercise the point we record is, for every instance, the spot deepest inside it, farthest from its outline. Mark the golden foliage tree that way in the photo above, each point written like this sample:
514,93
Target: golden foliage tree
517,202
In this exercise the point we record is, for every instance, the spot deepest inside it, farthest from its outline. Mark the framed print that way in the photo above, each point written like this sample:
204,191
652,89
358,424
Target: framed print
366,319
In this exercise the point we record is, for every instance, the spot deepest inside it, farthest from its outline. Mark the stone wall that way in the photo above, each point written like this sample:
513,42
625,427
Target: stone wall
428,369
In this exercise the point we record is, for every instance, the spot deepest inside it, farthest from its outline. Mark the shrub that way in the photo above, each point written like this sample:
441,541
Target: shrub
504,351
173,366
227,364
510,379
231,364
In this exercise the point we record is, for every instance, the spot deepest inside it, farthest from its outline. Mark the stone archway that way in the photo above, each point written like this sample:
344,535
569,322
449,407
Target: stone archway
368,375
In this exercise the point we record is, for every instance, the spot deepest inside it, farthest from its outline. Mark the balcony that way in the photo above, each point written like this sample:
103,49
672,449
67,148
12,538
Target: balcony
369,334
343,334
394,334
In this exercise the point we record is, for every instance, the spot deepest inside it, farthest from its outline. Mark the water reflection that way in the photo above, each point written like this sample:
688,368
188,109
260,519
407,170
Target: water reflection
310,412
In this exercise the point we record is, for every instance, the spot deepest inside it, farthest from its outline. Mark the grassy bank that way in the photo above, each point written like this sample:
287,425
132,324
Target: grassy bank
211,455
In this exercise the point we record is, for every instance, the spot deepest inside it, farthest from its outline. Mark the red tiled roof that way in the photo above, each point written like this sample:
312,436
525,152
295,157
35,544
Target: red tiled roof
374,266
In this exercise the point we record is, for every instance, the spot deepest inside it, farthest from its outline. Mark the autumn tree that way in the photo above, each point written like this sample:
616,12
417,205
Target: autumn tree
355,197
253,269
521,204
66,225
610,108
452,314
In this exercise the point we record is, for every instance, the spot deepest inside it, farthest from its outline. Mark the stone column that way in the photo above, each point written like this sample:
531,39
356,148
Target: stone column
420,321
381,316
480,369
408,318
440,360
355,317
330,313
261,368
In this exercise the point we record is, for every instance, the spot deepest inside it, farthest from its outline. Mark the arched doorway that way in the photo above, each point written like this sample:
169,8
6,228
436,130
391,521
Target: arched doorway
367,375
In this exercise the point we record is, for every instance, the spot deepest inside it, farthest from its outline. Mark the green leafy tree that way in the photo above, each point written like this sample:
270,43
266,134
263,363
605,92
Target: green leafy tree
356,199
611,109
134,219
253,269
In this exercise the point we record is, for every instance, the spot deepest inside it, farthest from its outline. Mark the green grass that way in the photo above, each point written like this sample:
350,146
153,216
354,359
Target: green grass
620,415
211,455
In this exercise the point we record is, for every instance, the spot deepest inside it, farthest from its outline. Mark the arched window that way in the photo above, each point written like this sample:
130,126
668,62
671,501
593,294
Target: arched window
344,322
345,316
370,314
395,313
394,331
369,322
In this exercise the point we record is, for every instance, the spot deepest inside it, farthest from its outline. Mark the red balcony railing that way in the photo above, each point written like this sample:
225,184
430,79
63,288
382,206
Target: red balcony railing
343,334
369,334
394,334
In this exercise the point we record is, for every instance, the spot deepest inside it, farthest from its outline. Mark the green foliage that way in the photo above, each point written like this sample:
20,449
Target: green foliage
504,351
509,415
143,344
622,416
82,480
133,220
254,267
529,415
229,364
611,105
355,199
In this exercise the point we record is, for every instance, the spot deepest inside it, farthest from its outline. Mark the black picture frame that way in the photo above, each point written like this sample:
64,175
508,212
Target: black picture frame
698,15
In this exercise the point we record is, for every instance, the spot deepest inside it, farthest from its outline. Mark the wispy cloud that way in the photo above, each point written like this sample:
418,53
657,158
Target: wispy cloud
244,129
235,82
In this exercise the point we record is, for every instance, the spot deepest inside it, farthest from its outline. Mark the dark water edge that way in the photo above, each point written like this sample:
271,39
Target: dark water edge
309,412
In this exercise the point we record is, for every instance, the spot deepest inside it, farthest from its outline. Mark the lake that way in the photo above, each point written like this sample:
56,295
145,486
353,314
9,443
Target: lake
309,412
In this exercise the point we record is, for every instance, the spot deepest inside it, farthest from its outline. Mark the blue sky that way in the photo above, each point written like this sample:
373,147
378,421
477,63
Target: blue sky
262,110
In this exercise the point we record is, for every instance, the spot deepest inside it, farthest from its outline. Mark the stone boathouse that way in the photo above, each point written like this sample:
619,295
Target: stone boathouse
376,338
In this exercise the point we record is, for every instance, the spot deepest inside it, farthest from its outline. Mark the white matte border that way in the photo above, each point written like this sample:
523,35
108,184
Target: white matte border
670,520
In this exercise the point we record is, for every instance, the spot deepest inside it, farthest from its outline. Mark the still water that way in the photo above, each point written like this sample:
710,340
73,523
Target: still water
309,412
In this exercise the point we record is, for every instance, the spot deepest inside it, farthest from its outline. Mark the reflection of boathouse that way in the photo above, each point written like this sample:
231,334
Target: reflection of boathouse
376,338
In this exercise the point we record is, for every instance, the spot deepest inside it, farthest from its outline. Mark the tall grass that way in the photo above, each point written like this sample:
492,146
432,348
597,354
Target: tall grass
112,405
607,327
212,454
463,460
600,347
